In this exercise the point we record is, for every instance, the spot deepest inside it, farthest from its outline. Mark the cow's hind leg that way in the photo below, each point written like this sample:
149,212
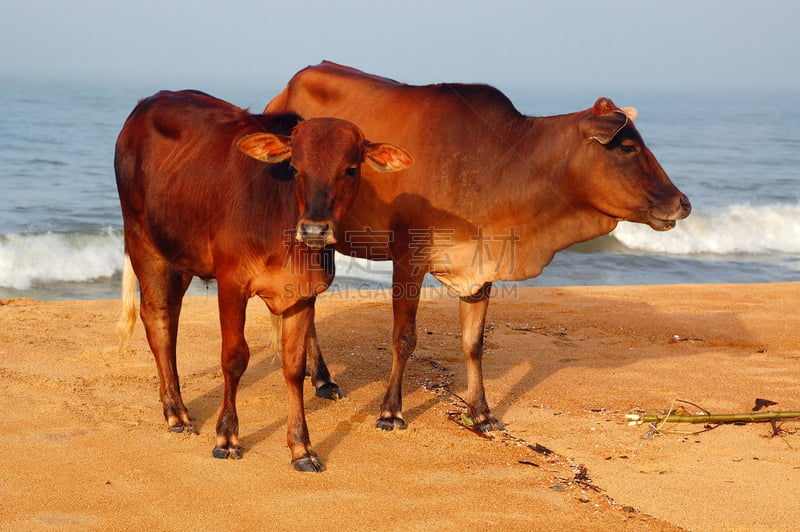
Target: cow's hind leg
297,321
318,370
315,363
472,311
162,290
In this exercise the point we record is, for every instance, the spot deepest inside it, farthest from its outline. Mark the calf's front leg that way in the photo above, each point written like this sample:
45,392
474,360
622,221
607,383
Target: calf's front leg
297,321
234,359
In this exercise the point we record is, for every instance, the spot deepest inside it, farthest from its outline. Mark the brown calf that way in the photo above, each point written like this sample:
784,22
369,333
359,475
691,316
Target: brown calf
205,191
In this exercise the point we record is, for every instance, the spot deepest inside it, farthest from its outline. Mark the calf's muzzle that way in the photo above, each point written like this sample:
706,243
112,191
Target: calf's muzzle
315,234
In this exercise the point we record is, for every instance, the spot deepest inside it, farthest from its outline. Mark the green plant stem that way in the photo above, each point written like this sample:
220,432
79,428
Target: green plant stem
753,417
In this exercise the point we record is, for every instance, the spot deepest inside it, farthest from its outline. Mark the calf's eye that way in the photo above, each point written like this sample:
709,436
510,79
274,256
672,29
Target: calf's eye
627,148
351,172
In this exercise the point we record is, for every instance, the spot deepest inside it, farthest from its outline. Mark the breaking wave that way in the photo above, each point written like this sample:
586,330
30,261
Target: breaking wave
29,259
736,230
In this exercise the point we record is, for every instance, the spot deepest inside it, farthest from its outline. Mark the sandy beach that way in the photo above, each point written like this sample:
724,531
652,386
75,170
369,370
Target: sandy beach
87,448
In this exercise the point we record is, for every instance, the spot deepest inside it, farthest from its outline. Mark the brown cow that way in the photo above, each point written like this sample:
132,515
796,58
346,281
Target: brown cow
202,195
493,195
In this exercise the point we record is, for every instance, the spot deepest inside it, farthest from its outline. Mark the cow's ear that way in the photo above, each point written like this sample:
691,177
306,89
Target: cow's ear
265,147
386,157
603,128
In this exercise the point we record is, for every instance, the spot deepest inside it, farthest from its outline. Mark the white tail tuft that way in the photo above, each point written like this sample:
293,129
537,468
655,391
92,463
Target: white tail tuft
127,318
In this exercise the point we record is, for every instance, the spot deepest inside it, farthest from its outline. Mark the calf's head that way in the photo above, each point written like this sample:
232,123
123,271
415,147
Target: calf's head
326,156
619,175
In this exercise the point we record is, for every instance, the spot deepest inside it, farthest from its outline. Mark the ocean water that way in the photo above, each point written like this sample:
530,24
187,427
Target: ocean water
736,155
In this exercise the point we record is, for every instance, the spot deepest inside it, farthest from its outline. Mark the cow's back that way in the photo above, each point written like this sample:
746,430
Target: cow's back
384,108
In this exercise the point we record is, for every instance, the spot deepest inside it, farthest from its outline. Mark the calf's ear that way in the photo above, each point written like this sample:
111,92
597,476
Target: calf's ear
386,157
265,147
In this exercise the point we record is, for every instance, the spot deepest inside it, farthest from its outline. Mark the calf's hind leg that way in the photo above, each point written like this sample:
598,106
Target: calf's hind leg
162,290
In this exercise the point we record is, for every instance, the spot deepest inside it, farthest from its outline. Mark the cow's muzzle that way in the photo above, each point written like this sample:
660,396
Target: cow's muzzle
664,221
315,234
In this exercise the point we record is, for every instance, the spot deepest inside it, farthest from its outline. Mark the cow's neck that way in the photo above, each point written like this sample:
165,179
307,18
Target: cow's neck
555,220
560,228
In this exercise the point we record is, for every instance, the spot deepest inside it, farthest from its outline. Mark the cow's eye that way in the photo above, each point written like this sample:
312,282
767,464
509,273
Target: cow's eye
627,147
292,171
351,172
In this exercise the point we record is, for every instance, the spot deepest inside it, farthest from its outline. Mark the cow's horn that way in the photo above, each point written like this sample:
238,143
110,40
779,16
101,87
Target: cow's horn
630,112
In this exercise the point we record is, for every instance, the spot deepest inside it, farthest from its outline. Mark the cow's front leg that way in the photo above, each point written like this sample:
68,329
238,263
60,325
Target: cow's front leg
405,293
297,321
235,357
472,311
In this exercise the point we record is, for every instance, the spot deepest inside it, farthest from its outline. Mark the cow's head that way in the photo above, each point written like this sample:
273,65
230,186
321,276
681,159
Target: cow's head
326,156
621,177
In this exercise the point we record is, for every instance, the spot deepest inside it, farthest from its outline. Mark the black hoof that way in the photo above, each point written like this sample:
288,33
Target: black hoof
308,464
330,391
234,453
182,429
489,425
390,423
219,453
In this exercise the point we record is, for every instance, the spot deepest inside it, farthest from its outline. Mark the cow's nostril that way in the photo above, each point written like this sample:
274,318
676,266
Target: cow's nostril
686,205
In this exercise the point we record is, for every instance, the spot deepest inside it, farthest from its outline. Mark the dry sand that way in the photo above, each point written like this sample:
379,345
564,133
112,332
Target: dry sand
86,446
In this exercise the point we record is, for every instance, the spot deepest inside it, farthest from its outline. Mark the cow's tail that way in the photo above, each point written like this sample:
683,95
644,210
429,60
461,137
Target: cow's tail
127,317
276,322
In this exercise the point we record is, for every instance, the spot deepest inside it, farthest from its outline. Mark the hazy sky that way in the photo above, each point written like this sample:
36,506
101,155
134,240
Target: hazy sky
510,44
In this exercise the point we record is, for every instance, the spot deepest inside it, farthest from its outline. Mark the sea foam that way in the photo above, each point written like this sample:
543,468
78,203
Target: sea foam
28,259
735,230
